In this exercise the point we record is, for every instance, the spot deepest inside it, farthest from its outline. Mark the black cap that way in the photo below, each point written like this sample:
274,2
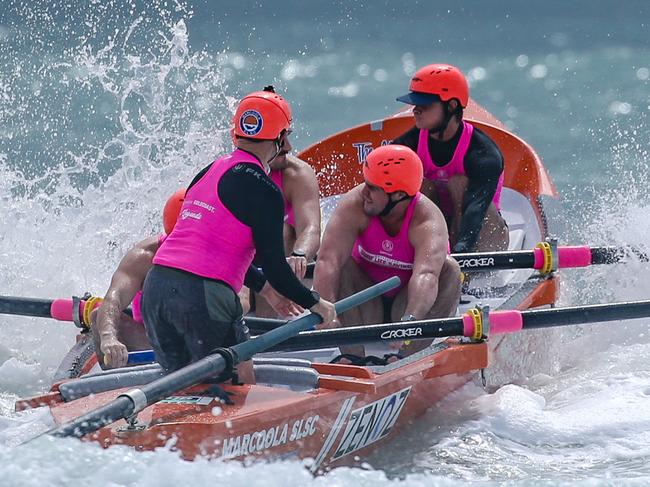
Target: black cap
419,98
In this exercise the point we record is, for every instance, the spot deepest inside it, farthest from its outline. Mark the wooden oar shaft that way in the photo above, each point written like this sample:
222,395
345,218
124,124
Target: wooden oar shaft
135,400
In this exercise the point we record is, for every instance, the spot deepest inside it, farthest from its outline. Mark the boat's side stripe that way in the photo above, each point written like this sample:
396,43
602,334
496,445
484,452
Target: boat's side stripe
334,432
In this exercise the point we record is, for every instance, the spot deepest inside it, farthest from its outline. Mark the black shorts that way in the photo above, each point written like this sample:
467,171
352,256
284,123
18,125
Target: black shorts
186,316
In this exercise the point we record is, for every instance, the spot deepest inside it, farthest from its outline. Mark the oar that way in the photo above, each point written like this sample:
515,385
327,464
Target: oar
63,309
72,309
133,401
473,324
544,258
495,322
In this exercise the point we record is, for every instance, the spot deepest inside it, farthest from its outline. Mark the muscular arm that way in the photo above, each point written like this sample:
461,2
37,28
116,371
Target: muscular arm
302,192
483,166
428,235
343,228
125,283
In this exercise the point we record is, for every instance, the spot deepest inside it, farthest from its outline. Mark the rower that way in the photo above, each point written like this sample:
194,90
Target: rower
115,333
299,186
463,167
232,212
384,228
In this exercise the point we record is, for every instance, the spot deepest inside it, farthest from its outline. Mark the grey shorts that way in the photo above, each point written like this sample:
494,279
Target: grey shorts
186,316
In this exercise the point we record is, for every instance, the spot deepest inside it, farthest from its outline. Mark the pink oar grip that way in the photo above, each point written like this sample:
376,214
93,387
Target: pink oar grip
507,321
61,309
578,256
539,258
468,325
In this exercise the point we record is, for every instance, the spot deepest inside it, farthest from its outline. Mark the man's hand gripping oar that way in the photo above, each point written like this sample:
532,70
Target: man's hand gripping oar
135,400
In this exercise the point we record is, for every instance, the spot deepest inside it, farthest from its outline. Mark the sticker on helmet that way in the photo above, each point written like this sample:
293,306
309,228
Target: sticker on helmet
251,122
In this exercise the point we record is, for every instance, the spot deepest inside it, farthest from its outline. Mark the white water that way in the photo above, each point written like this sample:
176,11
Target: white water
578,411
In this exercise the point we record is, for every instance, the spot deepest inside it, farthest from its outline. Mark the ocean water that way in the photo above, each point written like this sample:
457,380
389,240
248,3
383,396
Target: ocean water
108,107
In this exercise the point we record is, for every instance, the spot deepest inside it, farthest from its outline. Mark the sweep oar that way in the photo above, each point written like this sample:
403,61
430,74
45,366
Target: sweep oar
135,400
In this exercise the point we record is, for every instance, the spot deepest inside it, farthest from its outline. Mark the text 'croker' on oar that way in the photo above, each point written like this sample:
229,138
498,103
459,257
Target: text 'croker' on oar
477,323
134,400
545,257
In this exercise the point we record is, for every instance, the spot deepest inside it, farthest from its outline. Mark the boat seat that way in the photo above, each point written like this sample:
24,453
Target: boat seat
514,200
516,239
298,379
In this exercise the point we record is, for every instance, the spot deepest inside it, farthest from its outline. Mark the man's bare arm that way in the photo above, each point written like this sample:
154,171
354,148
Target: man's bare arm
342,230
428,235
304,197
125,283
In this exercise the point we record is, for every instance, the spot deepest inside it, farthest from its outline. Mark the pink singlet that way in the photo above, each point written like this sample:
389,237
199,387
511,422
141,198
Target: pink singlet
208,240
440,175
381,256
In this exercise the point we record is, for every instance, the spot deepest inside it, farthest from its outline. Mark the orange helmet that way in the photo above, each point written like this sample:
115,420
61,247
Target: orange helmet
437,82
394,168
262,115
172,210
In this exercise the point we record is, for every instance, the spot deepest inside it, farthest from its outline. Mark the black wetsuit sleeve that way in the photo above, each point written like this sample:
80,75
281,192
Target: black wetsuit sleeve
410,139
483,167
254,279
256,201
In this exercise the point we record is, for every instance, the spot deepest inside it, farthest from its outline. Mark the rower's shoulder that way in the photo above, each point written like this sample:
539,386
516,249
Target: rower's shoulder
426,210
351,203
408,138
299,168
141,253
149,244
482,142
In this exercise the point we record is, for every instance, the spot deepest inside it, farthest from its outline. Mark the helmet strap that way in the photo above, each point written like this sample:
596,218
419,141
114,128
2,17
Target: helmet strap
445,122
278,147
391,204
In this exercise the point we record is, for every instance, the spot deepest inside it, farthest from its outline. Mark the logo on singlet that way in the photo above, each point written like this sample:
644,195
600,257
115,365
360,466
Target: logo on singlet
251,122
190,214
387,246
